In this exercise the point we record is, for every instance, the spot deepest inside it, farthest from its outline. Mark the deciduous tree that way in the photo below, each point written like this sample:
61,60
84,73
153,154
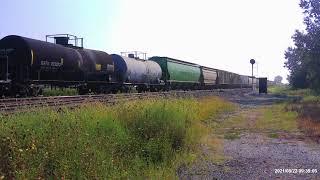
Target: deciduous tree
278,79
303,60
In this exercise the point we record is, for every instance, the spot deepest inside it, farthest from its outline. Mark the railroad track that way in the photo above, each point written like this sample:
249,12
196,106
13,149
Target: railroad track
12,105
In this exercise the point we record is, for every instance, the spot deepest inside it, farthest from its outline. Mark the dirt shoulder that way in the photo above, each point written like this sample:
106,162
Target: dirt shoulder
257,141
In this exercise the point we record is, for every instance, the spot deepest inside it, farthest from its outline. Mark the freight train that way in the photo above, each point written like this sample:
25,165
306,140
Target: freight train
27,65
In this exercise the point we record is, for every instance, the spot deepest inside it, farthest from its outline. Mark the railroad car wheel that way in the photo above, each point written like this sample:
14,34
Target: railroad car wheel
153,89
83,90
168,88
126,89
22,92
139,90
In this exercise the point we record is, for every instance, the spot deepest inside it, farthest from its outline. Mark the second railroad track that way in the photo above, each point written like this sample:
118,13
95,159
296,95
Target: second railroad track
28,104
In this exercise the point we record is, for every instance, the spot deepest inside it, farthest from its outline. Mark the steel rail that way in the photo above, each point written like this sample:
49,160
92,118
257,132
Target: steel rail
12,105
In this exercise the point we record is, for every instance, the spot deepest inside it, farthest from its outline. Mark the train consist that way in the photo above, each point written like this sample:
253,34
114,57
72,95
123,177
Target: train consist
27,65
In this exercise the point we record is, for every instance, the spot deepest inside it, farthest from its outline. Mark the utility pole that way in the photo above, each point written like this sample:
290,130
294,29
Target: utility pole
257,69
252,61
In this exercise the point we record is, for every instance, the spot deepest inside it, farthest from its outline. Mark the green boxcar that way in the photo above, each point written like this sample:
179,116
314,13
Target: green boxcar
178,72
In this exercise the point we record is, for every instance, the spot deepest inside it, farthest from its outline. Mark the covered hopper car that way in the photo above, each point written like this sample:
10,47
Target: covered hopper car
178,74
208,77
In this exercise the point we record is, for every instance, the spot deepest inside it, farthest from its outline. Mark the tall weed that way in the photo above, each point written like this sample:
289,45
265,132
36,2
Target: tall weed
146,138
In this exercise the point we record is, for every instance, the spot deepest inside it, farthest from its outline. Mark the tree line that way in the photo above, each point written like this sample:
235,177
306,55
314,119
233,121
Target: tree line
303,59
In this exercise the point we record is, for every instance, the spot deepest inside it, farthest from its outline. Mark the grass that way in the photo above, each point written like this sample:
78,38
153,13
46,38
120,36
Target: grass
230,128
273,135
286,90
269,120
306,110
310,127
232,135
236,123
60,92
276,118
307,95
145,139
277,89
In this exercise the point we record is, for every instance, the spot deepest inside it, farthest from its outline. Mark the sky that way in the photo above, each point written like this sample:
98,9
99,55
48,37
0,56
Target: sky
219,34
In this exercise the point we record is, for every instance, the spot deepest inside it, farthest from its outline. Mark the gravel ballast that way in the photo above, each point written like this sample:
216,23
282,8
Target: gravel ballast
256,156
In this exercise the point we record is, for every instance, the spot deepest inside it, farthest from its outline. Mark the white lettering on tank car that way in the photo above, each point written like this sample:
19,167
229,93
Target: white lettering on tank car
52,64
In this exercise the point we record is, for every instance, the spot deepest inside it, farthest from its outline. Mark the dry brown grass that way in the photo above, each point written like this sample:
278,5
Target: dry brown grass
308,118
310,127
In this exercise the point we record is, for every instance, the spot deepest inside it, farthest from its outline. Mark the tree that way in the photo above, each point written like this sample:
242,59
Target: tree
303,60
278,79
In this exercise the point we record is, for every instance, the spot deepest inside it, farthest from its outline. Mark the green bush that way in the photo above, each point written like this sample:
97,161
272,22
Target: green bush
135,139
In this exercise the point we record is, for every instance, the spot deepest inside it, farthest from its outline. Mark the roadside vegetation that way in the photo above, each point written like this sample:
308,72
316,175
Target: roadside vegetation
287,90
303,65
271,121
146,138
267,119
305,95
276,118
303,57
306,108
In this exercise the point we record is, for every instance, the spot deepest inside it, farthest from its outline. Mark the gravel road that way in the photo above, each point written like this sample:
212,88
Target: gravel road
256,156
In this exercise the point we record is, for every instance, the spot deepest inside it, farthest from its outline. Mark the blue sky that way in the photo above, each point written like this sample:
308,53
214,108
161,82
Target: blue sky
37,18
215,33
